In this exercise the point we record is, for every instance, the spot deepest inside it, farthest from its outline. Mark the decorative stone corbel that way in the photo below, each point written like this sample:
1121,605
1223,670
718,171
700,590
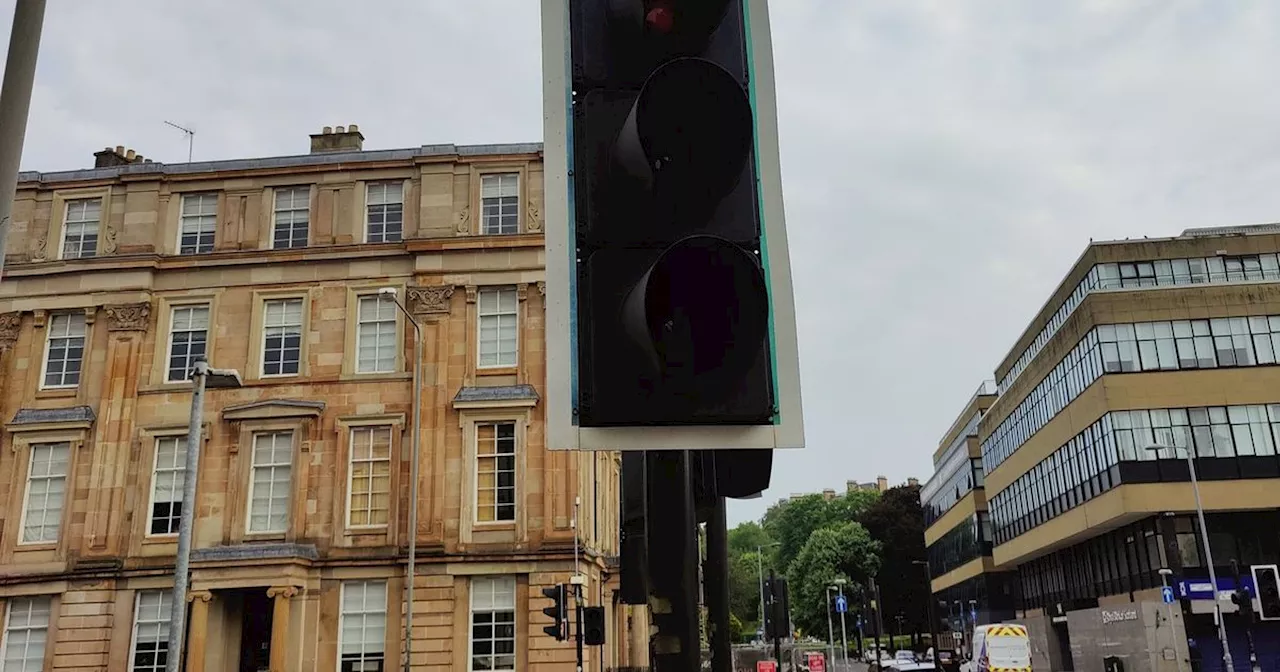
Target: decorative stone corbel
462,222
430,299
533,220
10,326
472,290
128,317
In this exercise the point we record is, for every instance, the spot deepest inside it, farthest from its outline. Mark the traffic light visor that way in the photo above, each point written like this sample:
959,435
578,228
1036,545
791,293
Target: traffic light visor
701,309
688,134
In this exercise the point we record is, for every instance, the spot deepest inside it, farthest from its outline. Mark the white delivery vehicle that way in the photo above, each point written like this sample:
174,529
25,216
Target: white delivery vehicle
1001,647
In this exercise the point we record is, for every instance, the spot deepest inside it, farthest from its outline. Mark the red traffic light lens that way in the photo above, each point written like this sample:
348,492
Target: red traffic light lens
660,17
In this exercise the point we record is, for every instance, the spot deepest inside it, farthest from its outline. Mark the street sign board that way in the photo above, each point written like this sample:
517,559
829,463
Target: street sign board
1166,594
817,663
766,666
842,604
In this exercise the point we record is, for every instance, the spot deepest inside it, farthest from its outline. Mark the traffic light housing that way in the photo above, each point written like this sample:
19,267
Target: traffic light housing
558,611
1268,585
777,609
673,302
593,626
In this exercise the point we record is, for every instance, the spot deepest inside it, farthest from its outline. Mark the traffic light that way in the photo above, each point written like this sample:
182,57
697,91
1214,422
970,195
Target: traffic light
558,611
673,318
777,609
593,626
1268,585
1241,596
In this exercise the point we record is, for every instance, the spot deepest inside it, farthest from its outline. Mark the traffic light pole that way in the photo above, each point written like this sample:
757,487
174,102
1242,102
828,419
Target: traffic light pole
777,641
673,561
578,618
716,587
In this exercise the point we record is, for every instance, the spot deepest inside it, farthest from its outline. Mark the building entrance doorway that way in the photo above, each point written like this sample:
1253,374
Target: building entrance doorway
255,613
1063,635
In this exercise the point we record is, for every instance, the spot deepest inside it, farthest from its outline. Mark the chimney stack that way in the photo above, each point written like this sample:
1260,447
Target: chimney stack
119,156
340,139
882,483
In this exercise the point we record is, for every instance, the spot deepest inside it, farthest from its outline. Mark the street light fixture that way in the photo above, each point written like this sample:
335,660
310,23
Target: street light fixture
1208,552
389,294
838,585
203,378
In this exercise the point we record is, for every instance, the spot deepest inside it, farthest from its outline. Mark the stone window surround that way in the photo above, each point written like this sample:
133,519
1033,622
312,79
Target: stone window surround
267,218
170,210
471,226
236,522
85,349
520,413
342,491
22,438
164,325
515,281
354,294
40,346
54,593
256,335
360,196
58,219
145,459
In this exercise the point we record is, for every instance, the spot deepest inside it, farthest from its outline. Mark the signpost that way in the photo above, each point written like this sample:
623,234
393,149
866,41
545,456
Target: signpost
842,604
766,666
817,663
1166,594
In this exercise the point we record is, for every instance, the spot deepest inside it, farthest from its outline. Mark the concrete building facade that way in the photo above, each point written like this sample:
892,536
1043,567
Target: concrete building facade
1147,351
119,277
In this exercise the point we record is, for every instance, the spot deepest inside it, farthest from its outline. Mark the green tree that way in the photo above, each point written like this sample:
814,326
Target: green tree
842,550
744,586
735,629
790,522
896,521
746,537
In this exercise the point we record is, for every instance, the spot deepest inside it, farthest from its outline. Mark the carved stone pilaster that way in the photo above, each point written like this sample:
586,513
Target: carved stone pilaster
430,299
522,292
10,325
472,291
40,245
533,220
128,317
542,288
108,239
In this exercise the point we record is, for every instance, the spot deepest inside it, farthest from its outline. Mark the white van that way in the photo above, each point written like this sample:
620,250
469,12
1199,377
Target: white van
1001,647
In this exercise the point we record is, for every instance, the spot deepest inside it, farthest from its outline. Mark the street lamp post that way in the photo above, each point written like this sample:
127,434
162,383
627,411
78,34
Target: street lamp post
202,377
389,293
844,634
831,638
933,620
1165,573
1208,552
15,103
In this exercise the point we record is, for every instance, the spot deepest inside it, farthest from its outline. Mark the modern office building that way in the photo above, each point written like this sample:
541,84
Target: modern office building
957,536
120,277
1148,351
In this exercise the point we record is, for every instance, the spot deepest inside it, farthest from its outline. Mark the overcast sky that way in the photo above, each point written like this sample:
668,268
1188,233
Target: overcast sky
944,162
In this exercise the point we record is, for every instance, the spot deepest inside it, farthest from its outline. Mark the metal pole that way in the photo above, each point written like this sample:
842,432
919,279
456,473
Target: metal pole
15,103
844,634
191,472
716,587
777,641
1168,606
875,611
411,571
673,561
760,572
1208,556
831,639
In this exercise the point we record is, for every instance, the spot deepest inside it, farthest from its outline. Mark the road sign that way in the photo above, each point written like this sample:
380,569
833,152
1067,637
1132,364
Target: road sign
766,666
842,604
1166,594
817,663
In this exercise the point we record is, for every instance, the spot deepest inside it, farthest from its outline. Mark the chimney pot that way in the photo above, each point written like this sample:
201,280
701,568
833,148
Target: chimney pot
353,129
339,129
147,161
327,130
120,150
129,155
337,139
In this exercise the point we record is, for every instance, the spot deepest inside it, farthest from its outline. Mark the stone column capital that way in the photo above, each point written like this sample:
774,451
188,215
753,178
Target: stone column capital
282,591
201,595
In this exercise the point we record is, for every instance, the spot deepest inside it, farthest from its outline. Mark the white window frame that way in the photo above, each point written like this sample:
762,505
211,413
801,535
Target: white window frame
197,219
492,583
293,193
383,202
343,615
267,327
166,600
495,456
253,468
168,351
499,179
351,470
66,229
499,313
383,304
180,445
26,495
72,320
29,602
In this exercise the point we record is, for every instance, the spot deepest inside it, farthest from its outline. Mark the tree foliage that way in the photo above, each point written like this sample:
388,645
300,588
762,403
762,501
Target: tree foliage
897,522
839,551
